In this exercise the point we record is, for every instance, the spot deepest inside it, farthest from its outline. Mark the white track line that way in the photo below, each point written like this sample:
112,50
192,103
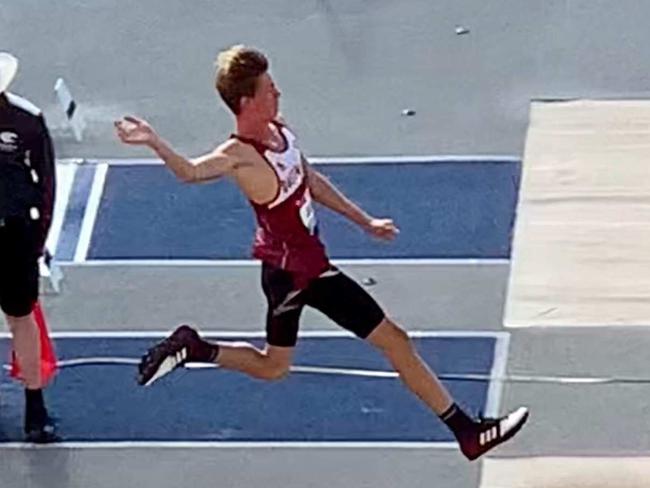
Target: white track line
478,158
255,263
499,367
64,181
232,445
226,334
432,159
90,216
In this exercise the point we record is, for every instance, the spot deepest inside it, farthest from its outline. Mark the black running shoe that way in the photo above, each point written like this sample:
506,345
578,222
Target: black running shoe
40,429
167,355
489,433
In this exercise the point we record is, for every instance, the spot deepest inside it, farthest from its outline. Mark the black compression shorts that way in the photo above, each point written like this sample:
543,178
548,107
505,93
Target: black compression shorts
333,293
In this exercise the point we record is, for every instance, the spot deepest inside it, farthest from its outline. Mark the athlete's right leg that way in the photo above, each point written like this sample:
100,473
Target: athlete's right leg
271,363
282,318
185,345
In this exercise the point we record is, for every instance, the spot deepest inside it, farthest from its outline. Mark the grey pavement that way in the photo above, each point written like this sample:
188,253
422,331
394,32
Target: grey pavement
347,69
230,298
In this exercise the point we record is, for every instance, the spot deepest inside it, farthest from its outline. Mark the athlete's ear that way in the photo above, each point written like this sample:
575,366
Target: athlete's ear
244,102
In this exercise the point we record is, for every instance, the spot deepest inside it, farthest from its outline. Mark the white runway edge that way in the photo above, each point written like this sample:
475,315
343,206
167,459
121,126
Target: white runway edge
226,334
497,376
255,263
231,445
398,159
64,181
90,216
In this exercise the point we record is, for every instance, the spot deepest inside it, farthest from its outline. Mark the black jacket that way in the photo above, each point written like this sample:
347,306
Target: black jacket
27,167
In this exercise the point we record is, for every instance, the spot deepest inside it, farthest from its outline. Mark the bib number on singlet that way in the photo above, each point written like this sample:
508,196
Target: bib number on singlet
308,216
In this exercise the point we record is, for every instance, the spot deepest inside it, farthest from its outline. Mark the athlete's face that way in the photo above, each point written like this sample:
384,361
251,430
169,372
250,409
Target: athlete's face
265,103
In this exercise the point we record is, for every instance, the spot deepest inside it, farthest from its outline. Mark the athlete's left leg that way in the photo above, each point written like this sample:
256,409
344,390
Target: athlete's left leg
350,306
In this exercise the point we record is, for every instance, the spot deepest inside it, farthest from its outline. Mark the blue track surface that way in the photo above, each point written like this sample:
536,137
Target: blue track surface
444,210
103,403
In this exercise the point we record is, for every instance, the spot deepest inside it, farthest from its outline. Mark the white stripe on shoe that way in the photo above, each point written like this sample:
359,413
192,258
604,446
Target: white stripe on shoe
168,365
506,425
513,420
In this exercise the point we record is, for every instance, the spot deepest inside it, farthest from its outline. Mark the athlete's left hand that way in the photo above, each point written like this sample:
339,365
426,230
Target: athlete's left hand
382,229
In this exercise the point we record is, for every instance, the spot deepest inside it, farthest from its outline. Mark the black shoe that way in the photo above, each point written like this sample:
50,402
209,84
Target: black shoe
168,355
489,433
40,429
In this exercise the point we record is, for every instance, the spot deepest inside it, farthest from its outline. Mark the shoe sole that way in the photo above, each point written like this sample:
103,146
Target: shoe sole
38,437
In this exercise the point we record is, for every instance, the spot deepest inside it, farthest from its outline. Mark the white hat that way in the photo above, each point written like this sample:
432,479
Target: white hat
8,68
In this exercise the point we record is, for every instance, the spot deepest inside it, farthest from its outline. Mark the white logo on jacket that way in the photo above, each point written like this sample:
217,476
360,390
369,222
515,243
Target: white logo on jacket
8,141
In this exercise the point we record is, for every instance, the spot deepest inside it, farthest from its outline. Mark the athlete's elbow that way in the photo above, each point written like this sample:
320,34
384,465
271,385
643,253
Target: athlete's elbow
186,175
315,193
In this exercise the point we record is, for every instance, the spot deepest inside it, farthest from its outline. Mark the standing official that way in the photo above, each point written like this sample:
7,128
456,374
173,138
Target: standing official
27,182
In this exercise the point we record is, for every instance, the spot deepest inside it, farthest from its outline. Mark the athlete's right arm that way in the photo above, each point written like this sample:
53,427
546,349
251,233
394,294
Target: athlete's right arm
210,166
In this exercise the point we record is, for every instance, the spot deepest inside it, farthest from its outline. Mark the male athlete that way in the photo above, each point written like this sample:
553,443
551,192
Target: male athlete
265,161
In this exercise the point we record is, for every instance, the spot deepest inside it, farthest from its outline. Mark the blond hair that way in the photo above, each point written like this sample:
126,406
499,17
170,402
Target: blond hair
238,69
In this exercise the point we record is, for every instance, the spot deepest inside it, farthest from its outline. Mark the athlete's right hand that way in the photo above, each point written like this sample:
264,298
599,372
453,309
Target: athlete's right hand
382,228
132,130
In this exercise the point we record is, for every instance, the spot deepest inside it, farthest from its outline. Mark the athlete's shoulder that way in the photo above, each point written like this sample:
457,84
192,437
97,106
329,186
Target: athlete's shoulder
23,104
240,153
229,146
235,148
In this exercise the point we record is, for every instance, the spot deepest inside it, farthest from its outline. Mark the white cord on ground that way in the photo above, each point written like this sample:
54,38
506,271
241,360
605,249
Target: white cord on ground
370,373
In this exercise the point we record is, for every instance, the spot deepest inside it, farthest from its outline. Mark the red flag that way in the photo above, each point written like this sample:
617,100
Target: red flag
48,356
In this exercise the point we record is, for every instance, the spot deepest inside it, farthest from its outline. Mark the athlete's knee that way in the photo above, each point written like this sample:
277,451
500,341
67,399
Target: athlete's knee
275,371
276,365
390,337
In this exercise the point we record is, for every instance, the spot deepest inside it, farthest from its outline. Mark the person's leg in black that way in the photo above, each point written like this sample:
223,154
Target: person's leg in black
19,279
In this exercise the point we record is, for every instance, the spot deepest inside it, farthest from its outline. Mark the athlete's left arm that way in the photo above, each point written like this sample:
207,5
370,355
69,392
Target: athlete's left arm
324,192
